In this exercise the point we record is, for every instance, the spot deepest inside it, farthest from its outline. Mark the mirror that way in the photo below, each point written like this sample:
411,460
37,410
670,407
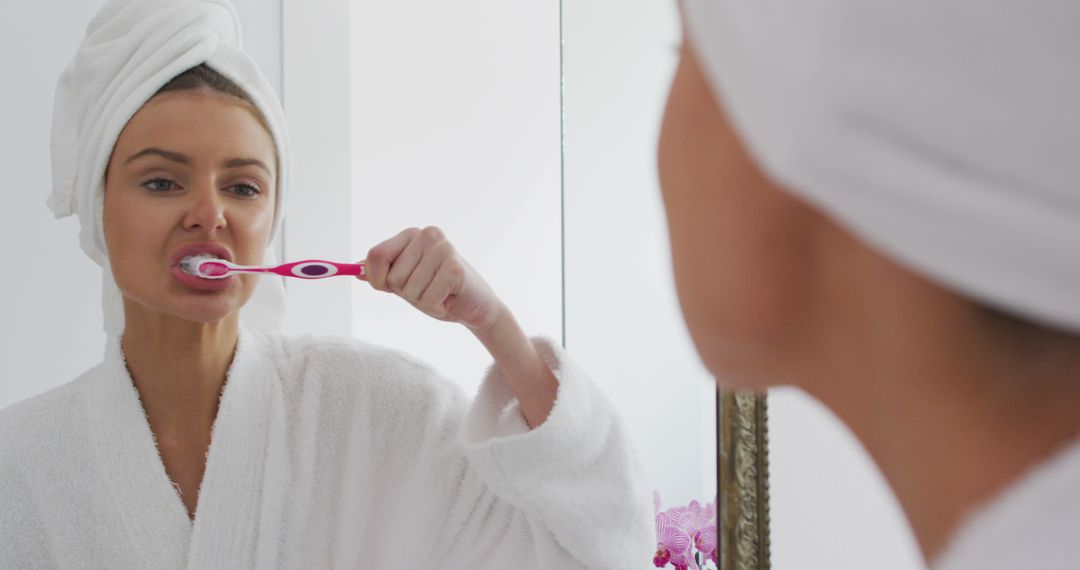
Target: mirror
538,164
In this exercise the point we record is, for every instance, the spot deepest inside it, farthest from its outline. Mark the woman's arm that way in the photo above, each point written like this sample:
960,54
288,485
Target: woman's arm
530,380
468,485
423,268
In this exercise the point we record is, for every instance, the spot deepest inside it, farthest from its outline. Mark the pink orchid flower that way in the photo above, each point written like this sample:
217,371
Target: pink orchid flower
701,526
706,542
683,533
672,540
672,543
710,541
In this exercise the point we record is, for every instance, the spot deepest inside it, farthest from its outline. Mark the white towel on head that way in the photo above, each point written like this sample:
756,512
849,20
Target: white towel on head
944,134
131,49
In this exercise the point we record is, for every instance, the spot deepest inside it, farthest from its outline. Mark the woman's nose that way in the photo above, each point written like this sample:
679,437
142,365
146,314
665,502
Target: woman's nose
206,211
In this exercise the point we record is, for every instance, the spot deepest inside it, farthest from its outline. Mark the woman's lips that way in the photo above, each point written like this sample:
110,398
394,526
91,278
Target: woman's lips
192,282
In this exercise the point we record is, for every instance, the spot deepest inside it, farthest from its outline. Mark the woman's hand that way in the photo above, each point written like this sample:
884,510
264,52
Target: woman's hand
423,268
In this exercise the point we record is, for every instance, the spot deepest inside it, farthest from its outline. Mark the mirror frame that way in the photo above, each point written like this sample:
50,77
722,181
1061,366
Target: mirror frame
742,476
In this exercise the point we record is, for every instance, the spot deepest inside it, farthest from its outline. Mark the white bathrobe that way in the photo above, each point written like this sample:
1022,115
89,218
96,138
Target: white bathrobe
1034,524
325,453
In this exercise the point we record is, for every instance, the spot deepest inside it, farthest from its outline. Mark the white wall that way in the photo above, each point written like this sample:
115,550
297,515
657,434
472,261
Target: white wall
622,315
455,123
52,321
318,223
52,317
831,506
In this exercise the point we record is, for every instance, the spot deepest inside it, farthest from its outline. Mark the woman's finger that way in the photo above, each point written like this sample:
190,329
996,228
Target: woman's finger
380,258
404,264
447,280
432,257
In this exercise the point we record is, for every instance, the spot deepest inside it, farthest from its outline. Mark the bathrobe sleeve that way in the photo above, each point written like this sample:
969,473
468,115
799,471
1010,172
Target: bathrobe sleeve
568,494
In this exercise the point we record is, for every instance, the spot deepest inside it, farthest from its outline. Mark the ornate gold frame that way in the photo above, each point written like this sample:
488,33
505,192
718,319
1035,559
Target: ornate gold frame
743,479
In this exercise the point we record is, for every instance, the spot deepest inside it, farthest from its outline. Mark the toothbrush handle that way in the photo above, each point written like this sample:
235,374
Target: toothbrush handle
354,269
319,269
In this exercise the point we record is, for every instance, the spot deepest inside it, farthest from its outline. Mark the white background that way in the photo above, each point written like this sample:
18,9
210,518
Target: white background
456,123
622,315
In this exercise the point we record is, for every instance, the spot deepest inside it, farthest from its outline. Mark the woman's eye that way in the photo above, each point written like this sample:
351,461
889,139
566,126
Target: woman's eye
159,185
246,190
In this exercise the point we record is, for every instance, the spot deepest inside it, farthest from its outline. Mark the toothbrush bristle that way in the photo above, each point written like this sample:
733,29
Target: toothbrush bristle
212,268
202,265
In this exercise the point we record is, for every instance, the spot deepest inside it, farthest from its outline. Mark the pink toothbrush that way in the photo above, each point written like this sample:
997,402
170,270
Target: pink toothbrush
210,267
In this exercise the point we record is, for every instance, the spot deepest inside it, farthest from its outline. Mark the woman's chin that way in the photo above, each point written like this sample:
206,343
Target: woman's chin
207,307
207,317
734,365
208,310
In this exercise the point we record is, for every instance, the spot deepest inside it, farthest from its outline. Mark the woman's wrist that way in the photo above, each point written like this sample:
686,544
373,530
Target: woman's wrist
526,373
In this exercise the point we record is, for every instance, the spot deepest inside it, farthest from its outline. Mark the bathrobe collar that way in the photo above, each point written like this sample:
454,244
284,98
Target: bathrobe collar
246,470
1031,524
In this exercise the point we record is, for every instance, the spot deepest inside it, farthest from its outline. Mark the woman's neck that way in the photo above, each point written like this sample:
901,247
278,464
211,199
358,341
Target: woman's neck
947,443
179,369
950,418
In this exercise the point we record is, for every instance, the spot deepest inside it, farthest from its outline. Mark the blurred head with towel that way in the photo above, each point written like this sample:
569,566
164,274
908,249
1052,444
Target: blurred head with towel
879,203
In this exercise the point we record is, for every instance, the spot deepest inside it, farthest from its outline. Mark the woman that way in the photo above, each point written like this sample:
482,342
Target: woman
200,442
877,203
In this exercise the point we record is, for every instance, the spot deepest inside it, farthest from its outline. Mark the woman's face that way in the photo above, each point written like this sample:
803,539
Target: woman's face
192,171
741,247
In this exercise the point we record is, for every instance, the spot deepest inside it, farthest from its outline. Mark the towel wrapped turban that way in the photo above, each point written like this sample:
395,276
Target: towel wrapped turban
944,134
133,48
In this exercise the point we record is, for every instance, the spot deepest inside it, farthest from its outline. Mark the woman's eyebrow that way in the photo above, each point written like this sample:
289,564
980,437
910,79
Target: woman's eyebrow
183,159
238,162
173,156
